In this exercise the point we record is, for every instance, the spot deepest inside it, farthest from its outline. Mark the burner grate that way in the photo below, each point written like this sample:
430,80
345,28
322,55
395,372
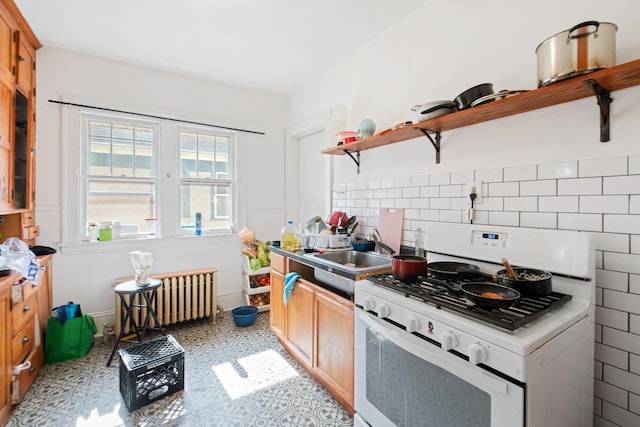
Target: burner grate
525,311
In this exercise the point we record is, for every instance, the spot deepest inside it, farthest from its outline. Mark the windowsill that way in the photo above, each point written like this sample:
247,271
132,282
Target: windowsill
118,245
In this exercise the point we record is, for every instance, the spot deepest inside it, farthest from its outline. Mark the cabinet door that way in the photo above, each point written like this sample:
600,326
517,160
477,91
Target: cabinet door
334,342
5,360
25,60
6,147
43,292
7,47
276,315
299,320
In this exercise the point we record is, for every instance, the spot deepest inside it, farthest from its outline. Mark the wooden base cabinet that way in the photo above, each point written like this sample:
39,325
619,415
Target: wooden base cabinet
5,354
315,327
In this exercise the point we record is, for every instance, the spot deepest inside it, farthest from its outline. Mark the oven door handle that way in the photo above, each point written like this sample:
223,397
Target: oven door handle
473,375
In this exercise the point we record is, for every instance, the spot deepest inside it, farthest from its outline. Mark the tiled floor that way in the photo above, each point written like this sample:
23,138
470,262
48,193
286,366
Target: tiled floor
233,377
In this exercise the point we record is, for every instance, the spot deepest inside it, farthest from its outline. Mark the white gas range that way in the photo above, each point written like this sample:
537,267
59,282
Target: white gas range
424,357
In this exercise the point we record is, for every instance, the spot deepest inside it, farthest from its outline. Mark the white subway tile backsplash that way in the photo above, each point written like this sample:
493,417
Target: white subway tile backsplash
429,215
509,219
451,190
431,191
601,422
598,333
451,216
491,204
538,188
387,183
480,217
394,192
580,186
381,193
621,301
634,323
441,203
387,203
610,393
558,204
629,224
634,283
621,339
613,319
635,244
621,184
402,182
612,242
604,204
521,173
403,203
412,213
612,356
462,177
373,184
419,180
614,280
629,263
581,222
460,203
597,370
374,203
634,204
621,378
489,175
634,403
440,179
634,363
497,189
539,220
603,167
619,416
526,204
634,164
420,203
411,192
558,170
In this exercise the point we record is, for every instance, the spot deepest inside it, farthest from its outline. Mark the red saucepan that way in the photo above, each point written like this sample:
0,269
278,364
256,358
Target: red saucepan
406,268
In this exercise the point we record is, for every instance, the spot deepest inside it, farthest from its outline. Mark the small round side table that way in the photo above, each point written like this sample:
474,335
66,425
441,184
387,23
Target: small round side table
148,294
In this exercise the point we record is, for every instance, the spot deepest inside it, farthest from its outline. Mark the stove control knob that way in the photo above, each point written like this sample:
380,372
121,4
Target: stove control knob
383,311
477,354
368,304
448,341
412,324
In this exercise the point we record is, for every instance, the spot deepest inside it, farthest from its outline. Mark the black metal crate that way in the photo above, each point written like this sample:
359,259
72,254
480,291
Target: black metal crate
150,371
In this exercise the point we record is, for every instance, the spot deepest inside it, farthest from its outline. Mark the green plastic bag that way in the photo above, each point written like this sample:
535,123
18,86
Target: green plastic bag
69,341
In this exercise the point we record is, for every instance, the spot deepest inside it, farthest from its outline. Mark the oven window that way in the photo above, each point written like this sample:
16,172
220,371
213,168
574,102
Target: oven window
410,391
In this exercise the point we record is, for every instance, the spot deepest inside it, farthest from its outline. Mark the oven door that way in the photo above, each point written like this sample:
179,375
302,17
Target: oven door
404,380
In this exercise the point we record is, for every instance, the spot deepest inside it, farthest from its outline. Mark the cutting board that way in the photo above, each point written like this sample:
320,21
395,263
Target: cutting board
390,227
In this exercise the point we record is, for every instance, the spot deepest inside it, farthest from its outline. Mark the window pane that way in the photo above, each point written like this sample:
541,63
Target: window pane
120,150
130,203
188,151
205,156
222,158
212,201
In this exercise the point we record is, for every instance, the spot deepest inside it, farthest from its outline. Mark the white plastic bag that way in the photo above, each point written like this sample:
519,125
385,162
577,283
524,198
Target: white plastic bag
18,256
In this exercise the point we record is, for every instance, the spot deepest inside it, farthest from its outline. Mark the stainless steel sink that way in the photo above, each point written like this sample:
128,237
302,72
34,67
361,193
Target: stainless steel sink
353,262
358,262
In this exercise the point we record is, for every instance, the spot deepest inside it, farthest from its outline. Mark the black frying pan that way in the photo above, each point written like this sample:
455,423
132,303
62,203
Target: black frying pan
449,270
483,294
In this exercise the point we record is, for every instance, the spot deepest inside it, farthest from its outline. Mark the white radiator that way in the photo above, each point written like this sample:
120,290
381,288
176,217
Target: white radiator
183,295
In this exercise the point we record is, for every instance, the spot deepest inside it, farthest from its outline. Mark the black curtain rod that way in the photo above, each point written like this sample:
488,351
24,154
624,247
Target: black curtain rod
154,117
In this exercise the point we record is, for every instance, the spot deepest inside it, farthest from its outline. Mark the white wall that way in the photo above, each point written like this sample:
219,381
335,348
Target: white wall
446,47
84,273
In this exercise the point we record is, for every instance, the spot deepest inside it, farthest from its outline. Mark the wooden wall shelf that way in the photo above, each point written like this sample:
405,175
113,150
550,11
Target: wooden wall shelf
610,79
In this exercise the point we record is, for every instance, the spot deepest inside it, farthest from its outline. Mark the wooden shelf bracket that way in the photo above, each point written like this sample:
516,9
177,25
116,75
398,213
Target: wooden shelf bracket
604,100
436,143
356,159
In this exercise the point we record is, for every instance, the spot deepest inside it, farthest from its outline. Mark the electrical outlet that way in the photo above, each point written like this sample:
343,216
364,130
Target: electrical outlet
473,187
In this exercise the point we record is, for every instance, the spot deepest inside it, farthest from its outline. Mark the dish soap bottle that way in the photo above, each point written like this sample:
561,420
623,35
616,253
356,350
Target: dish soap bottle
419,245
288,240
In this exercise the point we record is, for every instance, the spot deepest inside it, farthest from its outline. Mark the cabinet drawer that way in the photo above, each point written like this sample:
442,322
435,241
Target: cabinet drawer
278,263
23,342
23,379
30,233
28,219
23,311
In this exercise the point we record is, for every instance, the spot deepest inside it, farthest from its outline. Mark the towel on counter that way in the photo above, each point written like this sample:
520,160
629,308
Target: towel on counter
290,280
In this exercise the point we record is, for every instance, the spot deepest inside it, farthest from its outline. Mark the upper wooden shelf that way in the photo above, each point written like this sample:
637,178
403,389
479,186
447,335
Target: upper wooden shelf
611,79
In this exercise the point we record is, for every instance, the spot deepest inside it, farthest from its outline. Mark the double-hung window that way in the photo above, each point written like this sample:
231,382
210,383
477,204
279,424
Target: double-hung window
120,175
206,178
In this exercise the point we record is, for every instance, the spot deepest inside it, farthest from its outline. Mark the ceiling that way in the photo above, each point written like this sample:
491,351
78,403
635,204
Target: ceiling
271,45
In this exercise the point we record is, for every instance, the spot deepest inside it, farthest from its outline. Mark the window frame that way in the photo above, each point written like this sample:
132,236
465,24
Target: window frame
231,181
87,178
